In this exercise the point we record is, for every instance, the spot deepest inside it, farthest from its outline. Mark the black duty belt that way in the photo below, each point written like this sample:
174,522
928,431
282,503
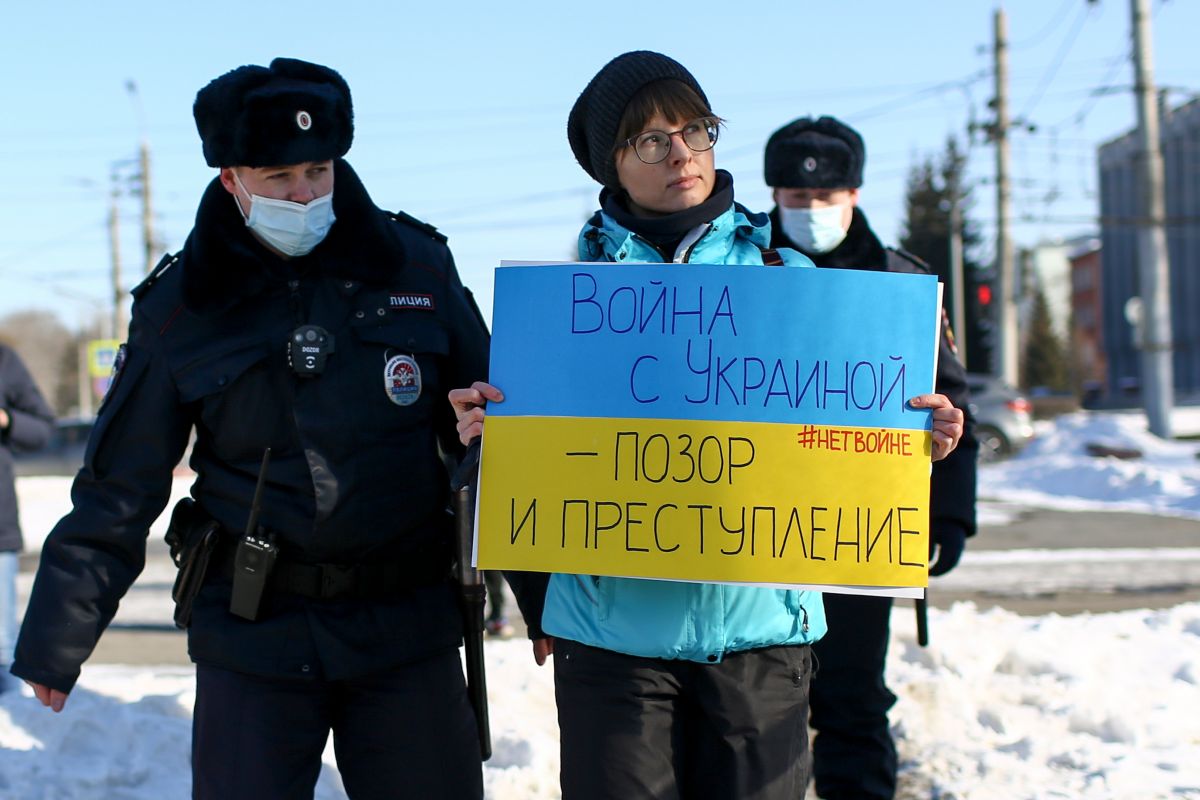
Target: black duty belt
385,577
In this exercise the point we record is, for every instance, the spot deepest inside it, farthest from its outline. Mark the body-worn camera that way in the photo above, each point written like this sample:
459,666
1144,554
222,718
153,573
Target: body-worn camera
308,349
252,563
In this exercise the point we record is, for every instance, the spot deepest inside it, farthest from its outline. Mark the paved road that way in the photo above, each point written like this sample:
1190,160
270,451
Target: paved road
1129,580
142,632
1076,529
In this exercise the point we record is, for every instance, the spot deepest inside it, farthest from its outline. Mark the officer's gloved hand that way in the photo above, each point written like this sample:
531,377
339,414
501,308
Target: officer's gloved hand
948,541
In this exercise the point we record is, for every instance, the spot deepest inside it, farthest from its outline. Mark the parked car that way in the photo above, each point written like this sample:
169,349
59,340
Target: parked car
1003,422
62,455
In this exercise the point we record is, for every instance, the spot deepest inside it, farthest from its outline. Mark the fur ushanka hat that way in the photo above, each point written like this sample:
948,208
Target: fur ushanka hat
809,153
288,113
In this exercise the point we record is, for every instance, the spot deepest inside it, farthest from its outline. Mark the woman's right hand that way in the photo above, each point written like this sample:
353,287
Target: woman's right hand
50,698
469,407
543,648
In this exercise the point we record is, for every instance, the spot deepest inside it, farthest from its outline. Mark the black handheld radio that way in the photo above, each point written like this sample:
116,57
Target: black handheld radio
254,558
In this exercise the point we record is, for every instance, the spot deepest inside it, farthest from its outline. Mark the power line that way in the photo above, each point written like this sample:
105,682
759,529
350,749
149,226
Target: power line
59,240
1046,30
936,89
1056,62
535,198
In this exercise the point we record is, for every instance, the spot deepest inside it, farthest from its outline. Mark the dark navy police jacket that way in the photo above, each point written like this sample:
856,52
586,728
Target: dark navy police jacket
354,477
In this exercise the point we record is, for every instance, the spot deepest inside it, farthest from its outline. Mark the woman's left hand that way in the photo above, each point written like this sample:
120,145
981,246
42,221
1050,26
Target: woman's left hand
947,422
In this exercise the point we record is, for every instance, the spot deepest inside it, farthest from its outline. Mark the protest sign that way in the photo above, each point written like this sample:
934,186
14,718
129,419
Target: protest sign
710,423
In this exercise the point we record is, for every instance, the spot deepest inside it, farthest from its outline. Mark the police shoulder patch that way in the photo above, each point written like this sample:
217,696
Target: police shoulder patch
165,263
906,261
423,227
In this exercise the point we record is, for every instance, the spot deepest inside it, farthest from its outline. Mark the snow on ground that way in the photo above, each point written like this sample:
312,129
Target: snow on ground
999,707
1003,707
1055,470
125,735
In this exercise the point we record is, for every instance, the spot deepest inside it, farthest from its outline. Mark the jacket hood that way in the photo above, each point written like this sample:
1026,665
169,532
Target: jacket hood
224,264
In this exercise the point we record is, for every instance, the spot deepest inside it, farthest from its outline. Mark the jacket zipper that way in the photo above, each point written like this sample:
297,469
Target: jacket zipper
653,246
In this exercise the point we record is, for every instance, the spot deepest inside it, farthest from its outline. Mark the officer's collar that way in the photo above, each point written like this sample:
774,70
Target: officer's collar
224,264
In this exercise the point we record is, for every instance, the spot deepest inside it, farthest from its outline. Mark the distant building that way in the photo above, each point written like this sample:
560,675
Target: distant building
1180,135
1045,266
1087,319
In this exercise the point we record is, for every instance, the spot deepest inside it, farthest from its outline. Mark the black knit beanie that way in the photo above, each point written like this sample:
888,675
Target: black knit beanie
596,115
808,153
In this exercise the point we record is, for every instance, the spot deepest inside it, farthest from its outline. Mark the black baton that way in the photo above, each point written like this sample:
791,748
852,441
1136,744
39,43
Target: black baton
472,591
922,606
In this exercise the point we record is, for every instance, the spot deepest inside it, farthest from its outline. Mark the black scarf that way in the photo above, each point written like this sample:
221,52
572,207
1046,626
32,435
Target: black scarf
667,231
224,264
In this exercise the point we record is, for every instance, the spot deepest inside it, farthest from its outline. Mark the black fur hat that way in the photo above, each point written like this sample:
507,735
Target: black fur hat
288,113
596,115
823,153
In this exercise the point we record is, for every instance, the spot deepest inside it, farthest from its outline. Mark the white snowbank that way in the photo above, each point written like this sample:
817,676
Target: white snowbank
1000,707
1055,470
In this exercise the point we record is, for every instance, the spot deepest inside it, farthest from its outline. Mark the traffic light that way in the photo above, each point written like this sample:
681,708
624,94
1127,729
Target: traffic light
983,294
980,328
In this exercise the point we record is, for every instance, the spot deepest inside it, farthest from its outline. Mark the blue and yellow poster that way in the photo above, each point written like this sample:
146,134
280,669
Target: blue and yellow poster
710,423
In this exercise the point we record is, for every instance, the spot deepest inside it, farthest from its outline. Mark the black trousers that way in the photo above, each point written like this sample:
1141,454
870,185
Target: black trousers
853,752
406,733
634,728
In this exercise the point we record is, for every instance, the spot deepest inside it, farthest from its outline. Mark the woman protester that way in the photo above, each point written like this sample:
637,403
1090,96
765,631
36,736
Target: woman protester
672,689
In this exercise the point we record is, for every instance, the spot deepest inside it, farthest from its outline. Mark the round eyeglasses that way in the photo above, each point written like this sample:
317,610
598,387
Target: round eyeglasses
654,146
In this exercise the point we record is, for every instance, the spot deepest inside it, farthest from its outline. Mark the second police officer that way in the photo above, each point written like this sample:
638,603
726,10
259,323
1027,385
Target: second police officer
302,318
815,169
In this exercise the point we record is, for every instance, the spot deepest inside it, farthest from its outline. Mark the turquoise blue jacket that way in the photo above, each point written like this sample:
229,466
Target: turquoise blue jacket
668,619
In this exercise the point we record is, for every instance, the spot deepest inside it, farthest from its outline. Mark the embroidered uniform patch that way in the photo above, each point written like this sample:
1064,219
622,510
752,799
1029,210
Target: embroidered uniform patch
402,380
403,301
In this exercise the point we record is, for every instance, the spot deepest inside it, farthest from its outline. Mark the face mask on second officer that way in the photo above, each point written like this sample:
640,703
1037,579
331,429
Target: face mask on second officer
816,219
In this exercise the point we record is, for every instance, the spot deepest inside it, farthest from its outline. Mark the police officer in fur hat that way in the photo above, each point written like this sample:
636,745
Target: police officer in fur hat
299,318
815,169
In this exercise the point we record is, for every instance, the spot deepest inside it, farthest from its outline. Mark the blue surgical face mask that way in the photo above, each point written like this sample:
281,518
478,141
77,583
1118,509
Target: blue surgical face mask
293,229
814,230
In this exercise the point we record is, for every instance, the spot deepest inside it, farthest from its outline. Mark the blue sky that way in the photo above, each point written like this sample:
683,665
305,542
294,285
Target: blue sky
461,109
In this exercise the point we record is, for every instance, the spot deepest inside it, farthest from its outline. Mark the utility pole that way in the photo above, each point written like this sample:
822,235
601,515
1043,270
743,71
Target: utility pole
958,305
114,238
1004,244
85,383
148,243
1158,381
147,209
